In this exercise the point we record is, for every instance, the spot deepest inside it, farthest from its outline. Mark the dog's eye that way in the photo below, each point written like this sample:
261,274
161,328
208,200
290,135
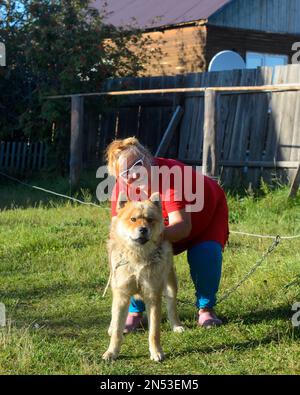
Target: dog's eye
150,220
133,219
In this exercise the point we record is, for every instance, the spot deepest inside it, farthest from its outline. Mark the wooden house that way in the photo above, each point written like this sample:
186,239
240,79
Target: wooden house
189,33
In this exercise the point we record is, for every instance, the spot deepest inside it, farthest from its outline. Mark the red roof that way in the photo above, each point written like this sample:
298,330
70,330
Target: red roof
157,13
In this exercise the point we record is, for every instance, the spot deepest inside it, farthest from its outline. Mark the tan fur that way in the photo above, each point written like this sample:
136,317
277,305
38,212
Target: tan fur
144,270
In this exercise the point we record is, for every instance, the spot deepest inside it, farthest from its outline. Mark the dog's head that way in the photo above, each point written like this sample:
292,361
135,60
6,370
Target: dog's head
137,223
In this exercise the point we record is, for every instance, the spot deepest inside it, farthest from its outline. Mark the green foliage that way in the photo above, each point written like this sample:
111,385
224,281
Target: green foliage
57,47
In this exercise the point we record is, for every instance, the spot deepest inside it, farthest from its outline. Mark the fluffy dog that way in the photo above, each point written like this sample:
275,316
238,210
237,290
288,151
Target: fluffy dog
141,264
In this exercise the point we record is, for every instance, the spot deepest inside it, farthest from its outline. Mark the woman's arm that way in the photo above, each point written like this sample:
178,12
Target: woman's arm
180,226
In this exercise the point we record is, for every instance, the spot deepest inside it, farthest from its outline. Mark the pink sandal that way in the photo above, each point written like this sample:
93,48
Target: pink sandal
133,322
208,319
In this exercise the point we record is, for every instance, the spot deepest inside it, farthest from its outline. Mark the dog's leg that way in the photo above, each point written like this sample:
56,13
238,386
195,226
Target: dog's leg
119,313
154,317
171,299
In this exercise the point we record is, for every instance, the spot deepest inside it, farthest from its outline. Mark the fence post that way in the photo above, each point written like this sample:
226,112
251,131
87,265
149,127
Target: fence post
295,184
210,156
76,140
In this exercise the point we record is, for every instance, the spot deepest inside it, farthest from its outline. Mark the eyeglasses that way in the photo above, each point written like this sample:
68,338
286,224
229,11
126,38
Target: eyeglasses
126,173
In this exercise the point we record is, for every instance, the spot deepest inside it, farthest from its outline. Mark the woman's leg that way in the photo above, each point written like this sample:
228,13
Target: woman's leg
135,315
205,261
136,306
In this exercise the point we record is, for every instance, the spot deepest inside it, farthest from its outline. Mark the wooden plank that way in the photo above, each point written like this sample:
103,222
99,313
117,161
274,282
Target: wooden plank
24,155
164,115
258,126
185,130
295,184
107,124
34,159
240,132
229,105
295,139
210,160
76,141
2,145
150,120
277,105
295,143
29,157
195,143
253,164
19,150
169,133
128,116
41,154
7,155
13,151
229,90
288,110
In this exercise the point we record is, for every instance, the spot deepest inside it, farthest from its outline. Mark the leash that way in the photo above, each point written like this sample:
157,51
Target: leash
271,248
269,251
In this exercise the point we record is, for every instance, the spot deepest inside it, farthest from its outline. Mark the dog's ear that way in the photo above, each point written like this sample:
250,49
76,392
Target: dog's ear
122,200
155,198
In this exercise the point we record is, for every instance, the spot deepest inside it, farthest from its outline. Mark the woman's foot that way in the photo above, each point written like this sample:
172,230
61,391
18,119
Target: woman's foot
208,319
133,322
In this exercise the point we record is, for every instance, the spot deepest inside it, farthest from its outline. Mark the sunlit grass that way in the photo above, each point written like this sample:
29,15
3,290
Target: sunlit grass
53,270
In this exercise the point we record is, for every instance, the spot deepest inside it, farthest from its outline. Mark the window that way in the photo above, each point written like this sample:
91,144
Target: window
255,59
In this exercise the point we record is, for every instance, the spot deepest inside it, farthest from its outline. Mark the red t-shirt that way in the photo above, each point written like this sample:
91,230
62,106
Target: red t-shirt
209,218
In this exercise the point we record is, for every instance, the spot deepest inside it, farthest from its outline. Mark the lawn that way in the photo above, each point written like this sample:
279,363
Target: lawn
53,270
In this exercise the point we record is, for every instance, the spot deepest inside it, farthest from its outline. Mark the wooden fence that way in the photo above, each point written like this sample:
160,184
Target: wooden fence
19,157
257,132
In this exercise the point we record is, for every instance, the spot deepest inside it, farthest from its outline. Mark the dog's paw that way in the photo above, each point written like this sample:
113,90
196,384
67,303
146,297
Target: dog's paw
109,356
157,356
178,329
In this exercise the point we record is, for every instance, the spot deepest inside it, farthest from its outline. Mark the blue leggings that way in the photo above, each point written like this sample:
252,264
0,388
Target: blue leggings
205,261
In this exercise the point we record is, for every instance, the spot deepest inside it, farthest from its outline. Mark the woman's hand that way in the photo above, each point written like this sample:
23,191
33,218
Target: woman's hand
180,226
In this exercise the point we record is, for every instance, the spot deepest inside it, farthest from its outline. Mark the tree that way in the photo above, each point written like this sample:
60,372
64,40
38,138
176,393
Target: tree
57,47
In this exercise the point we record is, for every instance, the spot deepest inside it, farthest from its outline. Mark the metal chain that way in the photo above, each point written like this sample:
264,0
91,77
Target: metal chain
271,248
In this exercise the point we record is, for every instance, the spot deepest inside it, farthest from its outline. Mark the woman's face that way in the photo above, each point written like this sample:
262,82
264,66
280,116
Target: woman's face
135,170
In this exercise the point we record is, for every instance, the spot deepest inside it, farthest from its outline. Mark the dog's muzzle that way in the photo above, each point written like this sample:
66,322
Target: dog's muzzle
141,240
143,235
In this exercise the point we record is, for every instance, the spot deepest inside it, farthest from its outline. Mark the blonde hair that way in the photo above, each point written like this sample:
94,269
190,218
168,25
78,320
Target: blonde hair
128,147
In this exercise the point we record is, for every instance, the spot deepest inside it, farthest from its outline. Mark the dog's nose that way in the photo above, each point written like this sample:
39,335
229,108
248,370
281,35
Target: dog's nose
143,231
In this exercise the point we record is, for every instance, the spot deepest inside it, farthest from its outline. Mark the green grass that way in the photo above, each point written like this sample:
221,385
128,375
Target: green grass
53,270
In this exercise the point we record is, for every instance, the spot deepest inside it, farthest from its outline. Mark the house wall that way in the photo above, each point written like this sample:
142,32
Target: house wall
276,16
242,40
176,51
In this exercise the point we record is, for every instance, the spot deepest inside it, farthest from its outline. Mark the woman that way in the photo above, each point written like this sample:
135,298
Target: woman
200,228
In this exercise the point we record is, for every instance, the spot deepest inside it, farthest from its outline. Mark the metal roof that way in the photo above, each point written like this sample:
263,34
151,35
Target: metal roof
157,13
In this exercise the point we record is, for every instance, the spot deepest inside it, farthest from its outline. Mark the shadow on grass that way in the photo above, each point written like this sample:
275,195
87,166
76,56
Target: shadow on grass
282,312
16,195
55,290
236,346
